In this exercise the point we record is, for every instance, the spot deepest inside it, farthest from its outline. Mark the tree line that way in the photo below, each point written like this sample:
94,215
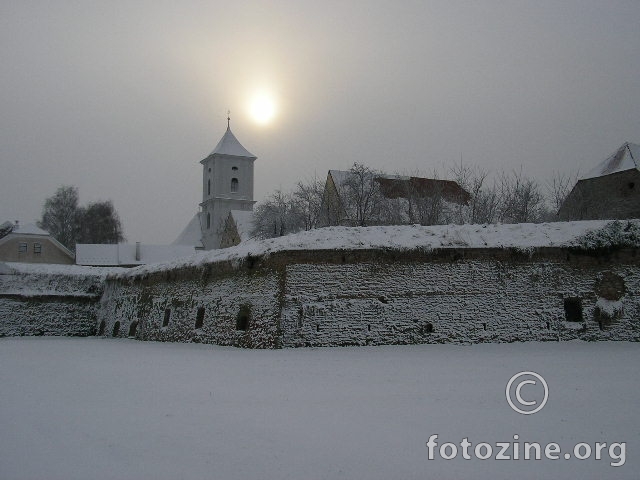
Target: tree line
70,223
504,197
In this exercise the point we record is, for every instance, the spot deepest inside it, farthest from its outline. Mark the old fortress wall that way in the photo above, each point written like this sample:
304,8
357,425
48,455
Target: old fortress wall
376,297
343,297
49,300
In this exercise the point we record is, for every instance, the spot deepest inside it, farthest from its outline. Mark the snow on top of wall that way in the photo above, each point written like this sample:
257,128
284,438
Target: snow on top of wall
400,237
625,158
12,268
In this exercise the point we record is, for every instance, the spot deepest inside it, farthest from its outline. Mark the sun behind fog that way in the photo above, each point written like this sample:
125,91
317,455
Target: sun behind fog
262,108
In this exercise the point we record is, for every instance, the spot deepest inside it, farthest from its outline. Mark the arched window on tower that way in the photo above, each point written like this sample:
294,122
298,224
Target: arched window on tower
234,184
208,220
209,187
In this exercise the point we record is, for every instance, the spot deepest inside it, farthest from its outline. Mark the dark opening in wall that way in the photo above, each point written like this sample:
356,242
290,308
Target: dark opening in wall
116,329
101,328
167,316
318,328
132,328
573,309
548,326
428,328
243,318
383,299
631,185
368,328
484,326
200,318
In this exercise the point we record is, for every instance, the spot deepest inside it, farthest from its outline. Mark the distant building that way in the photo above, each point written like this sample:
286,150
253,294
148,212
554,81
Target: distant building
399,194
30,244
609,191
227,185
237,228
128,255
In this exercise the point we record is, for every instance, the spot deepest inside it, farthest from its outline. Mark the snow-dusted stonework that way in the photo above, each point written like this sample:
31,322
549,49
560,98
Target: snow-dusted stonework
376,297
49,299
355,286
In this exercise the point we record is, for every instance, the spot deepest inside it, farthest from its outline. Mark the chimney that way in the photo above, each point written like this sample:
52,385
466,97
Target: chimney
138,252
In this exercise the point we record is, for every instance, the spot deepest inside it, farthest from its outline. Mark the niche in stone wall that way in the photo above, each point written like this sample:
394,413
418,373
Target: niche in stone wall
101,328
167,316
116,329
573,309
243,318
132,328
200,318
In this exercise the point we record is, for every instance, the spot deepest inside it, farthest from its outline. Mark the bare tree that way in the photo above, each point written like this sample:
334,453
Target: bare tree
70,224
98,222
362,196
278,215
60,215
521,199
308,196
559,187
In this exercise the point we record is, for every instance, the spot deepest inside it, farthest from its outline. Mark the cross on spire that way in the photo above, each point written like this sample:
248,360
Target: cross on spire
228,118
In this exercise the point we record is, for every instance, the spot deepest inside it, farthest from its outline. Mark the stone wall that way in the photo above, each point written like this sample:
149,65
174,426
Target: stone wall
374,297
49,301
231,307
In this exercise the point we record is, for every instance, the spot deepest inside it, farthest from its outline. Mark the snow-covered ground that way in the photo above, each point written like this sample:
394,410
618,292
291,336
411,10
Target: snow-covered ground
122,409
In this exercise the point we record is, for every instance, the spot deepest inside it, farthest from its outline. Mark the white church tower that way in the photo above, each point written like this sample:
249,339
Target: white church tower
227,184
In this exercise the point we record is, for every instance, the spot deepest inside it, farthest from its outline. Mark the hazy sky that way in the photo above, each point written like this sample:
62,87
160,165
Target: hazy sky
124,98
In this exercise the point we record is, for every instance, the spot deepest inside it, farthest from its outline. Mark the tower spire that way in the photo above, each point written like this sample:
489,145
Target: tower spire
228,118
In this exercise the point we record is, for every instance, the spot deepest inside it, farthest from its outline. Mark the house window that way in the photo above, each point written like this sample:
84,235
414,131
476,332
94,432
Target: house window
37,248
234,184
208,220
209,187
22,247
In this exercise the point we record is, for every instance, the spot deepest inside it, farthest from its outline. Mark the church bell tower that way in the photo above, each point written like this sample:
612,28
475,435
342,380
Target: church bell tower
227,184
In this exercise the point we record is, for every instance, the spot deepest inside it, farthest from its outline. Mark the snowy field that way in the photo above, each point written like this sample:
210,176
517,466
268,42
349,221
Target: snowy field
122,409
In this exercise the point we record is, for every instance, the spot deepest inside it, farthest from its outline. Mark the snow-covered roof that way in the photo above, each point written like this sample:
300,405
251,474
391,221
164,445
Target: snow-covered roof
29,229
229,145
125,254
244,223
625,158
523,236
192,234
